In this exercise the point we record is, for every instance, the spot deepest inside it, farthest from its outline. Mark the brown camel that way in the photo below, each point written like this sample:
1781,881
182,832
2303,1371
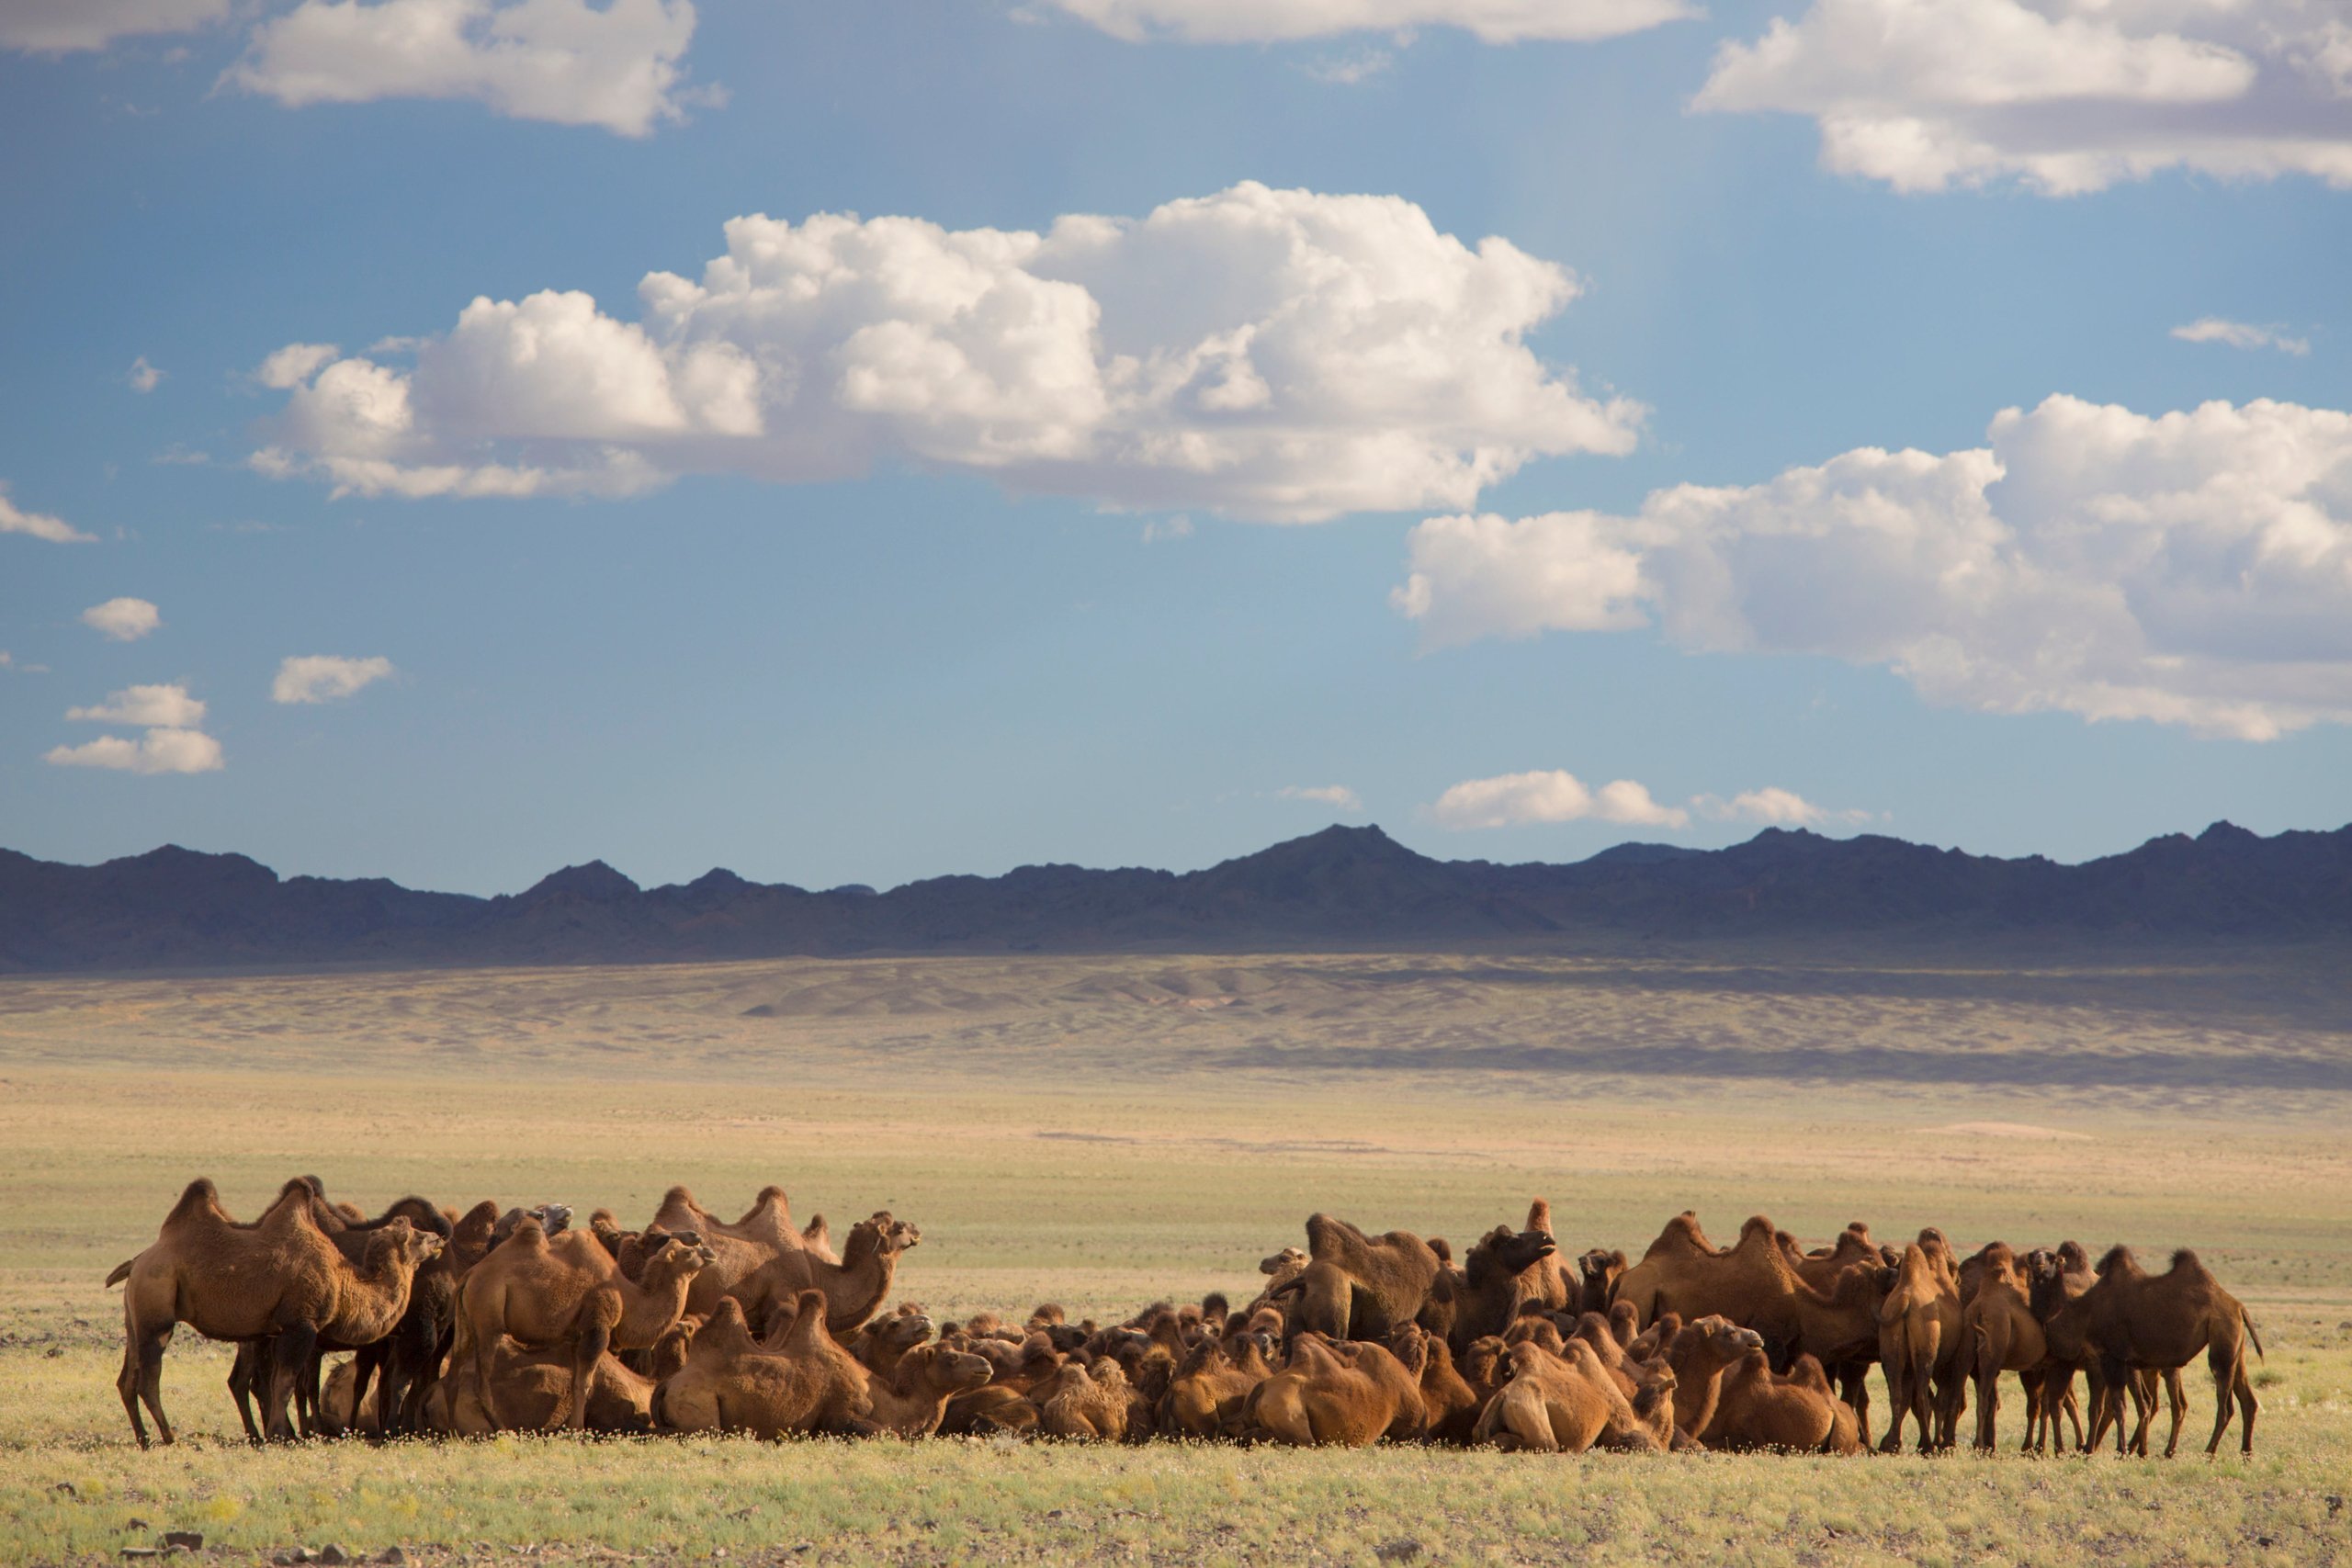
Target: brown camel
529,1391
281,1276
1999,1334
912,1397
1204,1399
1757,1408
1680,1253
2131,1319
1083,1403
1919,1341
854,1288
549,1291
730,1385
1344,1394
1504,1270
1598,1274
1450,1403
883,1343
1357,1286
1566,1402
1700,1353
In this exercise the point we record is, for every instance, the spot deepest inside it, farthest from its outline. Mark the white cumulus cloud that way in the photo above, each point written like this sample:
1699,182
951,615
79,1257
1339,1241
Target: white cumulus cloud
143,377
617,65
56,530
296,363
1278,354
2069,96
323,678
1773,807
2241,334
58,27
1515,799
124,620
154,708
1265,21
1339,796
2192,567
158,752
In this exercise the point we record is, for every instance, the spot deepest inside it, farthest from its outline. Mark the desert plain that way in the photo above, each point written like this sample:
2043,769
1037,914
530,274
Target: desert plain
1104,1132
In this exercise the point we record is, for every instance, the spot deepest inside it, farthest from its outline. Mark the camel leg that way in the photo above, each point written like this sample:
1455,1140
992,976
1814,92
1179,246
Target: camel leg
2029,1383
1988,1405
1855,1387
2177,1398
587,1350
2248,1406
2071,1410
2227,1376
1897,1404
293,1349
142,1382
2144,1409
249,1368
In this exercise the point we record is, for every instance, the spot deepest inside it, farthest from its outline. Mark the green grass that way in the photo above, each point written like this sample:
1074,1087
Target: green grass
1083,1131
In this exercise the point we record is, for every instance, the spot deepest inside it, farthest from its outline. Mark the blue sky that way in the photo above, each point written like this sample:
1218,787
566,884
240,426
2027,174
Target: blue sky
963,624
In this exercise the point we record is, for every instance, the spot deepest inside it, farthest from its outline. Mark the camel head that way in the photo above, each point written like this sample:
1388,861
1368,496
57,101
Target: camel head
1728,1336
1283,1264
958,1372
400,1245
880,1234
554,1218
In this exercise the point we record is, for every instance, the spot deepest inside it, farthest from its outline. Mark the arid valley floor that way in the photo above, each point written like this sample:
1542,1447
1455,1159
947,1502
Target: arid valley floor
1103,1131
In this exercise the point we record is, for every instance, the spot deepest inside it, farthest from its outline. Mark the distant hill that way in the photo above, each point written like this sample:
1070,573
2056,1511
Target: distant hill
1342,888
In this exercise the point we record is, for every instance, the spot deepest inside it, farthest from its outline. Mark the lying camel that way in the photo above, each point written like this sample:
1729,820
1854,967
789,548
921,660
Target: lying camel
1597,1274
1345,1394
529,1391
730,1384
1085,1403
1357,1286
1204,1399
1451,1404
280,1277
548,1290
1700,1353
2133,1319
912,1397
738,1250
1565,1402
1757,1408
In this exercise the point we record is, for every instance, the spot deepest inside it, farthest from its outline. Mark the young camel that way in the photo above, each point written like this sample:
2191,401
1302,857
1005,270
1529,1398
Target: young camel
280,1277
912,1397
1085,1403
1757,1408
1700,1353
1565,1402
548,1291
1204,1399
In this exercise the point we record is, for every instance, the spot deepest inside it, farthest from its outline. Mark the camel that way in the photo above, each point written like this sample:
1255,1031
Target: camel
1680,1252
1565,1402
2000,1334
728,1383
1084,1403
1204,1399
1356,1286
1700,1354
280,1277
1504,1270
530,1390
1451,1403
1919,1341
1757,1408
854,1288
1003,1405
1752,1282
408,1344
2133,1319
546,1291
1597,1274
912,1397
1347,1394
882,1344
768,1223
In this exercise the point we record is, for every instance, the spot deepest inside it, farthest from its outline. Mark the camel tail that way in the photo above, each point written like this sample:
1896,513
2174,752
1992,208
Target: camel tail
2243,1316
122,1272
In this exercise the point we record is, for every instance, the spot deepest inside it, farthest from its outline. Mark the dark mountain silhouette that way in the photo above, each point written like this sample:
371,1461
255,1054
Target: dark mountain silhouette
1343,887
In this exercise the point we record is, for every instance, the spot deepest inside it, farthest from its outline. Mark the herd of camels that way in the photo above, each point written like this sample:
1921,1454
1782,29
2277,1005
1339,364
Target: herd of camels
469,1323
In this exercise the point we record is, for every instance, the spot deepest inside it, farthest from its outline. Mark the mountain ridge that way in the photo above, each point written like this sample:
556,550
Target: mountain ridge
1341,887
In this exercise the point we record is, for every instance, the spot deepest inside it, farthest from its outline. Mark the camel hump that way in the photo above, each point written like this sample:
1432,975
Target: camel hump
199,1197
2118,1256
1539,1215
2185,1257
1329,1235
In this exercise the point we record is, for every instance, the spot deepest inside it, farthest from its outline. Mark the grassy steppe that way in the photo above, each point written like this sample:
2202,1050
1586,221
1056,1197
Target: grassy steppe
1103,1131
